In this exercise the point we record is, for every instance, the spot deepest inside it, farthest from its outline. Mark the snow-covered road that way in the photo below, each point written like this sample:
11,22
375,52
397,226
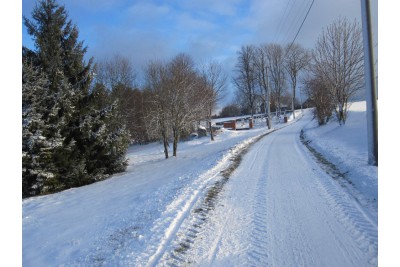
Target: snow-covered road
280,209
232,202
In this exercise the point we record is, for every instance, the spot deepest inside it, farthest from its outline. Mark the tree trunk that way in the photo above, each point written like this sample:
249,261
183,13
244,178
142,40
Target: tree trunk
211,132
294,116
176,140
342,117
165,143
268,108
209,124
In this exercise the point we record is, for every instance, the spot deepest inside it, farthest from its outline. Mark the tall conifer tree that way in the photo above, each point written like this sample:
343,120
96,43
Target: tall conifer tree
86,147
56,44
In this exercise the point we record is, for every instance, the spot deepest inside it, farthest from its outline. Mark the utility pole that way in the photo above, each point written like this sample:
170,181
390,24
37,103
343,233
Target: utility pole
267,102
370,84
301,102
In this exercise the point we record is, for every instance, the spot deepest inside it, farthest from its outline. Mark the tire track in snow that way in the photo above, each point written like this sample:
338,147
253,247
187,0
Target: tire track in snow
174,216
348,210
287,220
292,217
307,221
252,223
352,216
192,227
301,227
176,255
179,236
258,252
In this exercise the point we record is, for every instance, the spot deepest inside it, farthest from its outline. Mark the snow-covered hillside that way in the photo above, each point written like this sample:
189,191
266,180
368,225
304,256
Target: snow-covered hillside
138,218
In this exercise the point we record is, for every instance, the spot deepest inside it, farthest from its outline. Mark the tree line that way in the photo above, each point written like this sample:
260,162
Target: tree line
261,76
266,76
79,116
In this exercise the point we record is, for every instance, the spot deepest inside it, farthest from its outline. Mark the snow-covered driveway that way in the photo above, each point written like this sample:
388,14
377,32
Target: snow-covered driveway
280,209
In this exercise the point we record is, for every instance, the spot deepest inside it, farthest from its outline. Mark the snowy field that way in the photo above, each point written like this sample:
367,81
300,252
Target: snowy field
151,215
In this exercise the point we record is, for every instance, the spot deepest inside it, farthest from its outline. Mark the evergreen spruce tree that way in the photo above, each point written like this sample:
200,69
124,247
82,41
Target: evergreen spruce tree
34,169
69,139
41,130
57,46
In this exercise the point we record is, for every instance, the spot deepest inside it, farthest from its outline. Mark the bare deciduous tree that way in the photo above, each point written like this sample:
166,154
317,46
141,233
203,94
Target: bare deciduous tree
245,79
156,103
214,82
118,76
178,98
261,64
275,56
114,71
183,98
338,58
320,97
296,59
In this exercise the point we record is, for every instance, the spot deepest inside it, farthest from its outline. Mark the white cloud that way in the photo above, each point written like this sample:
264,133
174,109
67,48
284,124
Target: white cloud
148,10
188,22
223,8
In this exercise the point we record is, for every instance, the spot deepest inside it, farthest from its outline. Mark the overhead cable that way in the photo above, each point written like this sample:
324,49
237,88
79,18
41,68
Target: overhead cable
312,3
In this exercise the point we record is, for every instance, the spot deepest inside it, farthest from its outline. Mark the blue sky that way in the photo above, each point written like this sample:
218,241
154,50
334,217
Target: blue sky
147,30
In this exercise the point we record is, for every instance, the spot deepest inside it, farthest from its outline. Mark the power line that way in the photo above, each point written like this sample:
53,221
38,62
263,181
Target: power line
289,21
295,20
312,3
298,18
282,19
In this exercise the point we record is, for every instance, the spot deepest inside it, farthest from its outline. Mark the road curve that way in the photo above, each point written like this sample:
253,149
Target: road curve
280,208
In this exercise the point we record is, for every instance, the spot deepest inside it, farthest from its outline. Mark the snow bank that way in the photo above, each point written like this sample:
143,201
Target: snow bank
346,147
